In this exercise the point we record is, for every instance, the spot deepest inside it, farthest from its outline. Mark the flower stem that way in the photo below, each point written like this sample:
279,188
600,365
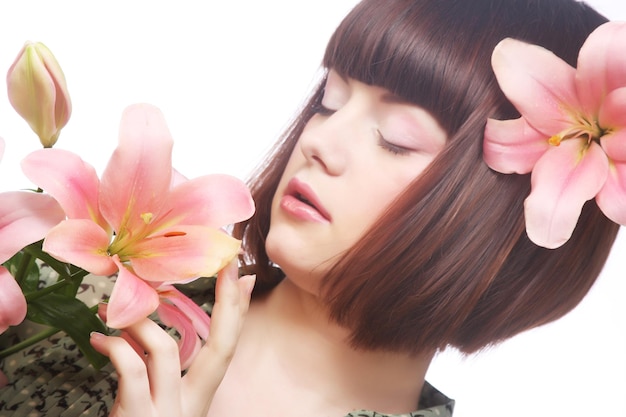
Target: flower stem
28,342
44,334
47,290
25,263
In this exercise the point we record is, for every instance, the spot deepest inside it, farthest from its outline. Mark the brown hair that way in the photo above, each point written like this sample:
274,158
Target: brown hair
449,263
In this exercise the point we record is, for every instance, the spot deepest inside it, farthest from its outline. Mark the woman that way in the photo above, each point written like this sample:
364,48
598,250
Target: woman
394,237
390,253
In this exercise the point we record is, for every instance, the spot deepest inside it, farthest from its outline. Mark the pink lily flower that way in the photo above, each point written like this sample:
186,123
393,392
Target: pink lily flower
190,321
141,218
25,217
178,311
571,134
12,301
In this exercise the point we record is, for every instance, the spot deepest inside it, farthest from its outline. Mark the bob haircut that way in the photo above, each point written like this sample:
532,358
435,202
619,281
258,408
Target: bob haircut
449,263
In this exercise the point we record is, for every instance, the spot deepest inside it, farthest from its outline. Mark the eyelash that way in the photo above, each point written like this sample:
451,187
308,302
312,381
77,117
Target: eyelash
382,142
390,147
321,110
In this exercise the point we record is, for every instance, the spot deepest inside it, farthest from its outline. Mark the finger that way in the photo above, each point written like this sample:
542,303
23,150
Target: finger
209,367
162,362
133,392
232,298
136,347
246,285
102,313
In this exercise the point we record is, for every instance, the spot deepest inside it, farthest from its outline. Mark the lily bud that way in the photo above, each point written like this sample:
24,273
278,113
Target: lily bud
38,92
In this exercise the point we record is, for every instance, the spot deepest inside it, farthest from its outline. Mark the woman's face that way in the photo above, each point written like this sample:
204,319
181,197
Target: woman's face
354,157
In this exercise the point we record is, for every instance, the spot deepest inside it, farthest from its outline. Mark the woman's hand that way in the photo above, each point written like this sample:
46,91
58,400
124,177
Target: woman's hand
150,383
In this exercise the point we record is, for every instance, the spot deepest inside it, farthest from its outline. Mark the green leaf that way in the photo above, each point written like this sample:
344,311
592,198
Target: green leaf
72,316
71,275
35,249
73,281
25,270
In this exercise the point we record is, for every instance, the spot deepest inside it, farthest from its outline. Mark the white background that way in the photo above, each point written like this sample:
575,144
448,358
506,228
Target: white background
228,76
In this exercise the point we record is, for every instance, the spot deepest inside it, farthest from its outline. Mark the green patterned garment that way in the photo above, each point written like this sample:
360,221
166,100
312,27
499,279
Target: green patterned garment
52,378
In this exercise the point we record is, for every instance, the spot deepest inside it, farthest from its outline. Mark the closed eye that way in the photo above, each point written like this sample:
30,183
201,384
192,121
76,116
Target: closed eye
323,110
391,147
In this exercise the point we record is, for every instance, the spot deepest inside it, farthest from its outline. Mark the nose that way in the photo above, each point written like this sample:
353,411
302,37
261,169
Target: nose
325,141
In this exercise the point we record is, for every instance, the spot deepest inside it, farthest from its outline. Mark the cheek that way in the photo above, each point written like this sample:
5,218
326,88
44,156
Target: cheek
379,193
369,203
295,159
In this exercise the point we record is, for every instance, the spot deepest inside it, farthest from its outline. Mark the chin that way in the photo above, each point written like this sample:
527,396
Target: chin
304,274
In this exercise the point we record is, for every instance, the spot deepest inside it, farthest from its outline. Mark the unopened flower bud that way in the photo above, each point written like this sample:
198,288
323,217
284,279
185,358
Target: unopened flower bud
38,92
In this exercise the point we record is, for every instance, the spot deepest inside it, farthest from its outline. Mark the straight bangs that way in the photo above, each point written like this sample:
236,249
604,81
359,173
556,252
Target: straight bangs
437,54
405,49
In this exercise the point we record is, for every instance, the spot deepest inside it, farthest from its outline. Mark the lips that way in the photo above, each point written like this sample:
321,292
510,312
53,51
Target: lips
300,199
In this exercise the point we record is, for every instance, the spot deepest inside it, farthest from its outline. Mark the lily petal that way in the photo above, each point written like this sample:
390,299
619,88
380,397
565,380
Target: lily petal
513,146
132,299
200,319
538,83
562,181
612,118
2,146
212,200
82,243
182,253
612,197
25,217
70,180
177,178
137,178
12,301
601,64
189,344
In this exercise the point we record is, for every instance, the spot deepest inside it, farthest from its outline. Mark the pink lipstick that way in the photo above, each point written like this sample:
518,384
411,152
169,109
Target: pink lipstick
300,201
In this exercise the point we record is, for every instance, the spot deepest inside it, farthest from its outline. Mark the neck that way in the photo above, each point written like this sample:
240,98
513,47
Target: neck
313,350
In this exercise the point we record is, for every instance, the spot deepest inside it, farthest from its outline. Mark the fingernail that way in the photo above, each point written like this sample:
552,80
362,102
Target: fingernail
232,270
96,336
248,285
102,311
